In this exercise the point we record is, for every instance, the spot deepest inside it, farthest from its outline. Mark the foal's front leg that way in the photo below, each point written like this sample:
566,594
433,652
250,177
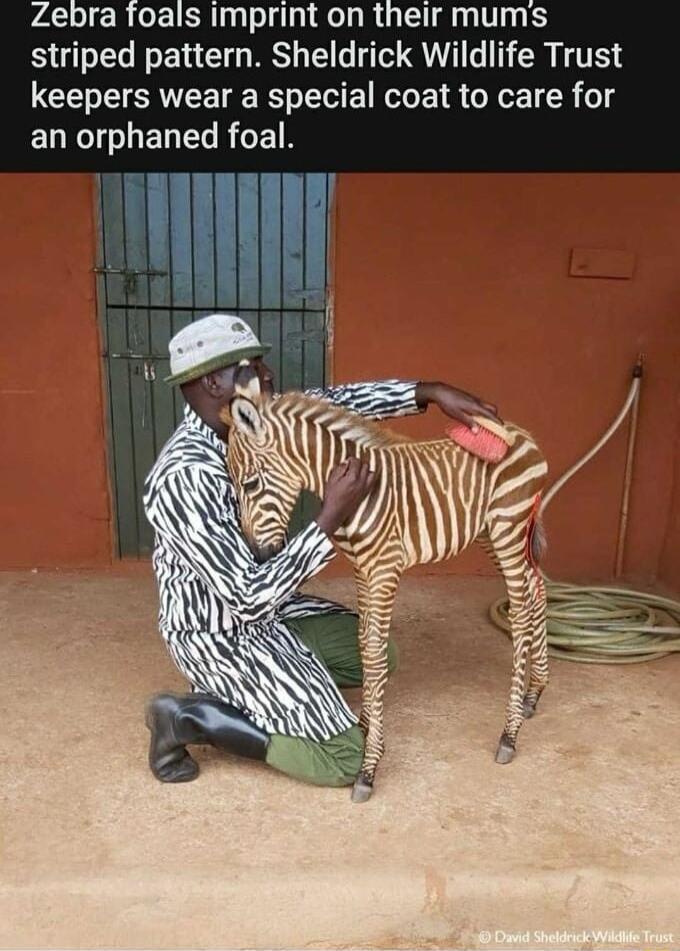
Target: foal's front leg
363,605
376,598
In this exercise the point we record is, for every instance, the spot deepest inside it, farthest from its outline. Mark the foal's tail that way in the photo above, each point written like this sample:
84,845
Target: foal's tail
537,540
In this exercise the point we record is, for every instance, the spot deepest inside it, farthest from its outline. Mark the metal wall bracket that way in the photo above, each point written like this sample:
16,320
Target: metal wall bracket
295,335
130,355
129,275
314,297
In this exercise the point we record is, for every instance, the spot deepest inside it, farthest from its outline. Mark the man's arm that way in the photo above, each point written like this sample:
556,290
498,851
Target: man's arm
379,400
189,509
389,398
193,511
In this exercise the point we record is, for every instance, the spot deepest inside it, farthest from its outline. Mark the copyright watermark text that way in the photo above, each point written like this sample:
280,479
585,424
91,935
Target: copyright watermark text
540,938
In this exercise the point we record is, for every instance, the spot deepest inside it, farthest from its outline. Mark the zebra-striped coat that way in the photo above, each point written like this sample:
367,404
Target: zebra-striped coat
429,502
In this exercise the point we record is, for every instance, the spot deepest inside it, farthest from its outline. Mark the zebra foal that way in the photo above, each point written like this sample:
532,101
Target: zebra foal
429,502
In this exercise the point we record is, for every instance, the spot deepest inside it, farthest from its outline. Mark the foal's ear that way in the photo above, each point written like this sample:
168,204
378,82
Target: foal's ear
247,382
245,416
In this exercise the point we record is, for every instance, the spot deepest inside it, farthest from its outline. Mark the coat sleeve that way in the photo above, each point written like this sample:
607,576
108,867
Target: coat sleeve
195,512
378,400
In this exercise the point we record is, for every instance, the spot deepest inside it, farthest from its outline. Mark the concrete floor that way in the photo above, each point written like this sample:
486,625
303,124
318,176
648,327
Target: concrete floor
580,833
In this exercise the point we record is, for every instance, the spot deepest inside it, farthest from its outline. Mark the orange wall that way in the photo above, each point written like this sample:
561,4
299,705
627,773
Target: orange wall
465,278
458,277
54,500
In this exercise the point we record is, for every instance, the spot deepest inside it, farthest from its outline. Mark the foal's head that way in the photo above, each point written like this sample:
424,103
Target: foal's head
266,475
279,446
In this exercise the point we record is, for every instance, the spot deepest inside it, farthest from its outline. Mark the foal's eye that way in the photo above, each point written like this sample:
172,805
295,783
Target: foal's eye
250,484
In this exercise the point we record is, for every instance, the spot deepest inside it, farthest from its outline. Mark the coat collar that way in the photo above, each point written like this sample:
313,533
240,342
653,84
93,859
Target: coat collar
194,421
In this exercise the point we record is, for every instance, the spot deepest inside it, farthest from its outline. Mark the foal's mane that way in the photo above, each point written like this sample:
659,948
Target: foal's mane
341,422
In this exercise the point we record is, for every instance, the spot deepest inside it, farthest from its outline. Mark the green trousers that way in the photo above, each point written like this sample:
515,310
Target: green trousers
333,638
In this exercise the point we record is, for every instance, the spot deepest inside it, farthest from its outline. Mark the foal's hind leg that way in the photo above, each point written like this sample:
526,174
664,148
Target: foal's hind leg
511,556
538,676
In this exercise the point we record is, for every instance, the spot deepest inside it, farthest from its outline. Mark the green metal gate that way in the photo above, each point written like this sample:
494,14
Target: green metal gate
175,247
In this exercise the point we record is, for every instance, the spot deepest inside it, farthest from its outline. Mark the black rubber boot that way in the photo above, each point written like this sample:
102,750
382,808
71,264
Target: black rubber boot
176,720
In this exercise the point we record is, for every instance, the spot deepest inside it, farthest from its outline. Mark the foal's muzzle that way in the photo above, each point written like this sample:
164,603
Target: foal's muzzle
263,553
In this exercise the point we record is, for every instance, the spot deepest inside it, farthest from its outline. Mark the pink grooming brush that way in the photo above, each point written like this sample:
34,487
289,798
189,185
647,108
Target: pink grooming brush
490,443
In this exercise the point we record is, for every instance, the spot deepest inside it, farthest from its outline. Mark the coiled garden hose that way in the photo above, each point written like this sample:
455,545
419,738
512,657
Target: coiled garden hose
605,625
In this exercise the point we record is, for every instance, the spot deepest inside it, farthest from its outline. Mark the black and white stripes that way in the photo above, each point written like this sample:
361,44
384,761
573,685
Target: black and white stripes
221,613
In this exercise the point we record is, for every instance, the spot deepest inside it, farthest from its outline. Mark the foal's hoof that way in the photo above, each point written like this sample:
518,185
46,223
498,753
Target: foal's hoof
505,751
362,789
528,708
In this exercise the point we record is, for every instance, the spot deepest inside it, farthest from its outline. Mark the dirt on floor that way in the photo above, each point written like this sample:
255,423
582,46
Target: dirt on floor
574,844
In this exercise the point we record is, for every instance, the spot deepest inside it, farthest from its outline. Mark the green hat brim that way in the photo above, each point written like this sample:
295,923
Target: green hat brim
218,363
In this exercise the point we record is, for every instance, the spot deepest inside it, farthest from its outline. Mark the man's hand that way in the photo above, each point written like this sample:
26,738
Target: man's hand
347,487
455,403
